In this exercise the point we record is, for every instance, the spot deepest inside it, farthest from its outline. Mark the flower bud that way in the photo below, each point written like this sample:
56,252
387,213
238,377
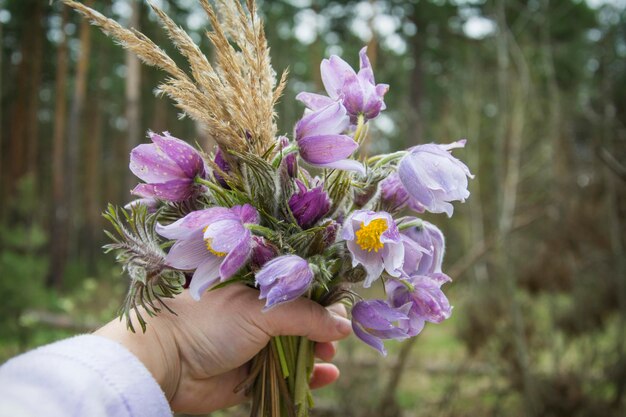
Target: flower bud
283,279
308,206
375,320
433,177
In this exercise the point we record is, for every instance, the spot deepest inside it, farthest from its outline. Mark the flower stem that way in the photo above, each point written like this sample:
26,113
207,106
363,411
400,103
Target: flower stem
210,184
407,284
409,224
261,230
383,159
361,130
281,356
284,152
302,394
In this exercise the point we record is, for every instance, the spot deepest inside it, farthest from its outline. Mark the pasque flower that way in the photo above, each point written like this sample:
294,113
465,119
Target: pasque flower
374,241
321,141
169,167
358,92
309,205
151,204
283,279
395,197
424,296
262,252
433,177
223,165
424,247
215,242
289,162
375,320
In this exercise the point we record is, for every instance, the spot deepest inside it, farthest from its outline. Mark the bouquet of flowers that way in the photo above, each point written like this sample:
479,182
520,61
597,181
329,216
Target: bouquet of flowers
293,217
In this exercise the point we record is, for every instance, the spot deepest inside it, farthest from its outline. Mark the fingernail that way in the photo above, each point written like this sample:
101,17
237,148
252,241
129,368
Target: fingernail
344,326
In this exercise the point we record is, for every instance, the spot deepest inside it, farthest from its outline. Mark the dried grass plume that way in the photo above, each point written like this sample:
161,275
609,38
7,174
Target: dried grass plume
235,97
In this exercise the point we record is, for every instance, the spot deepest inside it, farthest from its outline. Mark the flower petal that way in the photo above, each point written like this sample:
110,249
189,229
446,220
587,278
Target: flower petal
189,252
393,258
247,214
371,261
334,72
224,235
326,149
149,203
314,101
235,259
151,164
205,276
174,190
345,165
193,221
365,66
373,341
330,120
183,154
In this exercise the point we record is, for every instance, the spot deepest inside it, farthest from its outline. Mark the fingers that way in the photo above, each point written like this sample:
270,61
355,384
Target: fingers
339,309
326,351
202,396
323,374
303,317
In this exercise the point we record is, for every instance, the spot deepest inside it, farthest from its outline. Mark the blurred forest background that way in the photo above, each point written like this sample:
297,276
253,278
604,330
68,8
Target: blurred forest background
537,253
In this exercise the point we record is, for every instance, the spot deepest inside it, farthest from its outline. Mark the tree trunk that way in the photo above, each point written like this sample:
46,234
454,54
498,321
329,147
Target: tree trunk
20,111
416,126
58,250
93,183
32,128
513,95
133,93
1,110
388,406
75,133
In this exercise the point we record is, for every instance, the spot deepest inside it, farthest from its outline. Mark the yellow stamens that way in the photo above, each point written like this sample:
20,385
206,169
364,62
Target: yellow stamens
209,248
368,237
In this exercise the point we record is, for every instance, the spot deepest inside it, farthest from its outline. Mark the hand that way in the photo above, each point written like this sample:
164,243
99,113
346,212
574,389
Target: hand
199,355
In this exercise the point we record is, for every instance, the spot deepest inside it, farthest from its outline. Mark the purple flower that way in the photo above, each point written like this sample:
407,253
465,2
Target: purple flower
424,248
169,167
283,279
375,320
330,233
433,177
374,242
427,301
395,197
262,252
151,204
358,92
223,165
308,206
214,242
321,142
289,161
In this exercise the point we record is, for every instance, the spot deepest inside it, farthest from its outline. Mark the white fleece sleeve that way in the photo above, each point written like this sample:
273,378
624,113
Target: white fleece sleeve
87,375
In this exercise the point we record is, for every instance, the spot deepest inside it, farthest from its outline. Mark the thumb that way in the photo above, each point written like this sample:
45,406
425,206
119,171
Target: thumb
303,317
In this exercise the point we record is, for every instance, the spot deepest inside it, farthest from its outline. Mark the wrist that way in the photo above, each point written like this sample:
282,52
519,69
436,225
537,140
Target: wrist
155,349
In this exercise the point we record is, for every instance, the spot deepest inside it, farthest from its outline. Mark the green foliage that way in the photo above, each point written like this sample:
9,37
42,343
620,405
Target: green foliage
23,263
138,248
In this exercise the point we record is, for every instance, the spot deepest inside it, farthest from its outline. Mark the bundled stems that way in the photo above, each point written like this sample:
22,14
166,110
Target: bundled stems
280,375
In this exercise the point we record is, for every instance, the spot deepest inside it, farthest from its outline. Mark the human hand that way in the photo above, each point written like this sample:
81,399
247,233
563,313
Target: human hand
199,355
